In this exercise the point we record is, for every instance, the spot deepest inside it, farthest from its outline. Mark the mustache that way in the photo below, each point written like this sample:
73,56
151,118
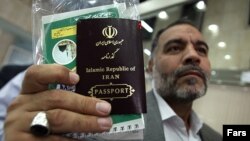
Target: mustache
188,68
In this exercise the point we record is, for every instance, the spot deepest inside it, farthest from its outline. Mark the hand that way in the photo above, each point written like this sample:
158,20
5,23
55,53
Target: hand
66,111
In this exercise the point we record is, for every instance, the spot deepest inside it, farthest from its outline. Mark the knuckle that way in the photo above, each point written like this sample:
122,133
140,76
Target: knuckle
61,74
78,123
13,105
32,71
88,104
9,136
10,119
16,103
82,102
54,98
56,117
56,138
86,125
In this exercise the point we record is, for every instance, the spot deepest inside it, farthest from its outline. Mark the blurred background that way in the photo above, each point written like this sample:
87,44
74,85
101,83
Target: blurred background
225,25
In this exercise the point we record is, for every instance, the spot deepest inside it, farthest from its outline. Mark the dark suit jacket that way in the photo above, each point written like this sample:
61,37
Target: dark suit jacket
154,127
9,71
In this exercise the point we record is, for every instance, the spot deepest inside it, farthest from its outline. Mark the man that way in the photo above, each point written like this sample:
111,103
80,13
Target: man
180,69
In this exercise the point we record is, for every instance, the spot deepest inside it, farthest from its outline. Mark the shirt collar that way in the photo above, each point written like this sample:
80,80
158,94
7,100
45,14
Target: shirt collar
196,122
167,112
163,107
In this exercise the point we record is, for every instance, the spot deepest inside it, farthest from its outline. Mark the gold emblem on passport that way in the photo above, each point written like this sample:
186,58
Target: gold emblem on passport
111,91
109,32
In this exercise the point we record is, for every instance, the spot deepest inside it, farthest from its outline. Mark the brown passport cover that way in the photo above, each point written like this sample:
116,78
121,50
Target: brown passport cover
110,63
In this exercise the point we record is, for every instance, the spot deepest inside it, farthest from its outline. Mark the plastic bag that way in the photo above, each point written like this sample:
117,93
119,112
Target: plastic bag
51,7
55,27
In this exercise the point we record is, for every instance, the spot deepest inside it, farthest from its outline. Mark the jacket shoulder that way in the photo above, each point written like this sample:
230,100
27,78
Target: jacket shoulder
209,134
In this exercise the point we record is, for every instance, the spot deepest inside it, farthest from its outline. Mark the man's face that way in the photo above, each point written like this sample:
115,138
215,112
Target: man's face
181,65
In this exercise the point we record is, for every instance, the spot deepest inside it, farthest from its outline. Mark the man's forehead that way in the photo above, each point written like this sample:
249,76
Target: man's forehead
179,31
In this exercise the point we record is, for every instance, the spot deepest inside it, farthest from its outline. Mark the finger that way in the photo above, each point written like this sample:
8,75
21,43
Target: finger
29,137
62,121
38,77
20,129
54,138
60,99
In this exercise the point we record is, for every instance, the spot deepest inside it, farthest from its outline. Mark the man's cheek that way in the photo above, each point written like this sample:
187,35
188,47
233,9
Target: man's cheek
165,67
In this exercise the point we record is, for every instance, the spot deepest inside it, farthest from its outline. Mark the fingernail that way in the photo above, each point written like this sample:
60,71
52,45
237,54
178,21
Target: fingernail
74,78
103,107
105,123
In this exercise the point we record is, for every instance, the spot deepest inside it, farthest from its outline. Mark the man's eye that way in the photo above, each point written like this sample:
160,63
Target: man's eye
173,49
202,50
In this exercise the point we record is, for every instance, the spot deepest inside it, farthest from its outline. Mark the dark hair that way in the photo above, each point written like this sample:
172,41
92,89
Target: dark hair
178,22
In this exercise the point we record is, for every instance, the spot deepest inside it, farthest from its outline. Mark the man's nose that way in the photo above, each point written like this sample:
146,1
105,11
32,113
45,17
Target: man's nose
191,56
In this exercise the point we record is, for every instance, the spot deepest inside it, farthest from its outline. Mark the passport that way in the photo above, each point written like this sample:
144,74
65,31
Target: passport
110,63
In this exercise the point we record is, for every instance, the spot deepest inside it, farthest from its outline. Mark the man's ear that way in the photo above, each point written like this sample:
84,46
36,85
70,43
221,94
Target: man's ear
149,68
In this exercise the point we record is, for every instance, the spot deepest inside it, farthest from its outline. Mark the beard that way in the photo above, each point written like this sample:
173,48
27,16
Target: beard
168,87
